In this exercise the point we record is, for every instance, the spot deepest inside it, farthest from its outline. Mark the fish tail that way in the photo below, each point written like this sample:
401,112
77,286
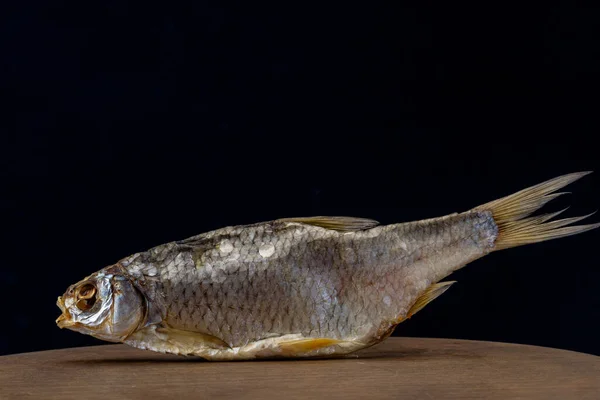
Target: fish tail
515,225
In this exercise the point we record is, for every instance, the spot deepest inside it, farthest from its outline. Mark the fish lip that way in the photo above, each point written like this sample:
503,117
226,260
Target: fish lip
60,303
62,321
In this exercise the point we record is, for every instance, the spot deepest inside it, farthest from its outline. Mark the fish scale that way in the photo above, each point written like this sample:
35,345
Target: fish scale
318,292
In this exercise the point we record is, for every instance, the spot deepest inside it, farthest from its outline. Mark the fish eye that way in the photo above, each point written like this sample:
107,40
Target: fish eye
86,291
86,296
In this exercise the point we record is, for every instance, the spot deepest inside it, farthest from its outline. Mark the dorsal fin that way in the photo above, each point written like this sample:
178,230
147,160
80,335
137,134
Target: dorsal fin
342,224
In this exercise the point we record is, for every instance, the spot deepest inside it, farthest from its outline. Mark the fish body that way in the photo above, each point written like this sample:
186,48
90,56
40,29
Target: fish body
297,287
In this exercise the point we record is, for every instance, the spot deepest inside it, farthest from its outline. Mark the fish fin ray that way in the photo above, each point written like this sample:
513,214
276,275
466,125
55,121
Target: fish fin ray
512,215
341,224
190,341
430,294
300,346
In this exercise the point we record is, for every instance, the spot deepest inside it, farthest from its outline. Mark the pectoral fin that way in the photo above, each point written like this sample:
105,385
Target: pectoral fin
190,341
430,294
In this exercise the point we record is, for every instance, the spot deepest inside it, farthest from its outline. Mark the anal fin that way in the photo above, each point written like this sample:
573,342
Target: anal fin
430,294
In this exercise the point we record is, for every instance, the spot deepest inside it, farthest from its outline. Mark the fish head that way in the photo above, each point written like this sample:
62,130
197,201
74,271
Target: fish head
106,305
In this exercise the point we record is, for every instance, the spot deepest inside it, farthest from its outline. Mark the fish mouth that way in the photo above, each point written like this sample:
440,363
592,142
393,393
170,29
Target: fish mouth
64,320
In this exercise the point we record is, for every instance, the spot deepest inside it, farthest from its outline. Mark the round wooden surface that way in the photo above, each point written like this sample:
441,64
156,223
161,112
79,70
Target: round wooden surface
399,368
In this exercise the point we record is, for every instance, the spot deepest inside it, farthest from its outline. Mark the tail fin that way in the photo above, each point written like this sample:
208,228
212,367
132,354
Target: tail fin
516,228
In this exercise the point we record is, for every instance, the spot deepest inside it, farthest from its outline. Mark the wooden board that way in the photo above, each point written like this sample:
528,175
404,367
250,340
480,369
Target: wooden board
399,368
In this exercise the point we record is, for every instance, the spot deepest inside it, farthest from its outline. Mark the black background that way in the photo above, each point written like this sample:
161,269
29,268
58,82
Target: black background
126,125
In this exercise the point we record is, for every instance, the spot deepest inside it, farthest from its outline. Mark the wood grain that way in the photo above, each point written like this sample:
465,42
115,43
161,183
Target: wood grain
399,368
